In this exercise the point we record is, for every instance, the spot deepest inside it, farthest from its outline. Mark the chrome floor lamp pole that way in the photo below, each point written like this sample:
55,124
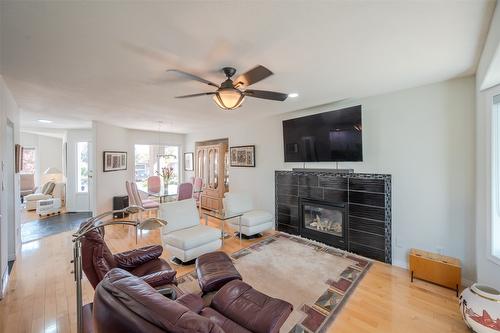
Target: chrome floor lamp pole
95,223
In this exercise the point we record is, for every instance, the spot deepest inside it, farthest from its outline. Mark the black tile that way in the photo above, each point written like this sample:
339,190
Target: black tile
48,226
335,196
365,198
375,227
368,212
367,251
287,179
309,180
292,190
333,182
288,200
288,229
315,193
369,185
287,219
288,210
367,239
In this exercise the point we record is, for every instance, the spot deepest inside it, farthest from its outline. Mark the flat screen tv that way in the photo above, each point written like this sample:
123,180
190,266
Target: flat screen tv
330,136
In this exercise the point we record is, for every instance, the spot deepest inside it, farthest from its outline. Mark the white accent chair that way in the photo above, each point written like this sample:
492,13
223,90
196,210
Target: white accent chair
43,193
253,221
183,236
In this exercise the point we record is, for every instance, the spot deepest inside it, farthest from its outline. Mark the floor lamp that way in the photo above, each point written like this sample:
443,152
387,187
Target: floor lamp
95,223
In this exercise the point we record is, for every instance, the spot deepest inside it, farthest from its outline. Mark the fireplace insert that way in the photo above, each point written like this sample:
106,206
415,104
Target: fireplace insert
324,222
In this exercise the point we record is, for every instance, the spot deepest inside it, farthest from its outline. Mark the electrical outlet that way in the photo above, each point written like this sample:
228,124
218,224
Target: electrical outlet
440,250
398,243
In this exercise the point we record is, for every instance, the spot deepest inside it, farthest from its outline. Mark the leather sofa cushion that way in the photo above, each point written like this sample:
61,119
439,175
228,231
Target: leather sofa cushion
255,217
214,270
189,238
236,300
226,324
191,301
156,272
133,258
124,303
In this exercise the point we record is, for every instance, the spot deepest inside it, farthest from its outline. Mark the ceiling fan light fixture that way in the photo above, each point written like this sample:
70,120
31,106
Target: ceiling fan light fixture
229,98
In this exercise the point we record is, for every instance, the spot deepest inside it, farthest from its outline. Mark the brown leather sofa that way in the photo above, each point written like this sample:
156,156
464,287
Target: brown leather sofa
124,303
97,260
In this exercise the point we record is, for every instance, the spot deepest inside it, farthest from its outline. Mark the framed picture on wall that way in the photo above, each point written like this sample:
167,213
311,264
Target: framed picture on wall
188,161
242,156
114,161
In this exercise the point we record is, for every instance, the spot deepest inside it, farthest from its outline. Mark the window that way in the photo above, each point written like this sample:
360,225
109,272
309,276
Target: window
82,173
150,159
29,160
495,225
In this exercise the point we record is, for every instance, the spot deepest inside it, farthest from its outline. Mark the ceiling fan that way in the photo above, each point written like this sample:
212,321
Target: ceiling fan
231,93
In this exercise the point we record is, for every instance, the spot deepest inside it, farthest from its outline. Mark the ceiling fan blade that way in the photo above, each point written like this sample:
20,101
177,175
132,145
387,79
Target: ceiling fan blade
193,77
195,95
264,94
254,75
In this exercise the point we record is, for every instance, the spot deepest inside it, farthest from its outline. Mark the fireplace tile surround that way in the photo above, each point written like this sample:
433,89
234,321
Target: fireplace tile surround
367,198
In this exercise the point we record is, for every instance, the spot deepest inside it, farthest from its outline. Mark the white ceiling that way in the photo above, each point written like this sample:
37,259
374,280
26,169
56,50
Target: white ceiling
81,61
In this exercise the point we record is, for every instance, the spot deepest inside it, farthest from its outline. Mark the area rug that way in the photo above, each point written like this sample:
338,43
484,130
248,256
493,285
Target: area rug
314,278
52,225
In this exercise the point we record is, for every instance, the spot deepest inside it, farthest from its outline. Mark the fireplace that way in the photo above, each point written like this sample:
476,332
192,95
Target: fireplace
325,222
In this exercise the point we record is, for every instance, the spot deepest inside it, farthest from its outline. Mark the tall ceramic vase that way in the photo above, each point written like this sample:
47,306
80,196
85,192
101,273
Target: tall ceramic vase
480,308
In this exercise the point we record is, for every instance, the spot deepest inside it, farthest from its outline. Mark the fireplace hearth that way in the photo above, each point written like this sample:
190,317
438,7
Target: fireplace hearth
350,211
323,221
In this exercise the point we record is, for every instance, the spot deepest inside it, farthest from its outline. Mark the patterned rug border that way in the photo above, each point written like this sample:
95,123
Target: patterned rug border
336,291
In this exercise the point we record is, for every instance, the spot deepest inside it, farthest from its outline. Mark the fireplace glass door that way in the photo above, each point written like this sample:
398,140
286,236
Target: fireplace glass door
321,219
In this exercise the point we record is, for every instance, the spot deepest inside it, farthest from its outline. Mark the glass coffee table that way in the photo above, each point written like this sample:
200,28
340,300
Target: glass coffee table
223,217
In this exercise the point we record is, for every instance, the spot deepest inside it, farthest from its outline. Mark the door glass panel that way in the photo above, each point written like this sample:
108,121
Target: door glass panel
82,174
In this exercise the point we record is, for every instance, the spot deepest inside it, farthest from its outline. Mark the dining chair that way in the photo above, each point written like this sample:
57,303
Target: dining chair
197,189
154,184
147,204
185,191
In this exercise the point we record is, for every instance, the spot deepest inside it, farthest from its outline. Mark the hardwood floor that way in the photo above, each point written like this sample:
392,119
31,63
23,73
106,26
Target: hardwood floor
41,295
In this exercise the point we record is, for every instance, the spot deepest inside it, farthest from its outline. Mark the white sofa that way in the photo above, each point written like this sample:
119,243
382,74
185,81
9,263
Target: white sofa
41,194
183,236
253,221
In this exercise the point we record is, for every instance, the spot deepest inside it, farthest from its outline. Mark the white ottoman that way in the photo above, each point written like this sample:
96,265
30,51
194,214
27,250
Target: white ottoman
48,206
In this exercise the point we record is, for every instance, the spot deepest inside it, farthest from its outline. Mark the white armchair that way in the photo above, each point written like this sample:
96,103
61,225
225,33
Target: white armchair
47,191
183,236
253,221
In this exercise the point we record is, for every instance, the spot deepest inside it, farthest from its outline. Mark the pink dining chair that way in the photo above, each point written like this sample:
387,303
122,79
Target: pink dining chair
131,200
185,191
197,188
147,204
154,184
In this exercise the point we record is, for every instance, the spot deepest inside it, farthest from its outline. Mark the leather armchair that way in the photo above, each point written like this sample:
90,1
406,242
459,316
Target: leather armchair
124,303
145,263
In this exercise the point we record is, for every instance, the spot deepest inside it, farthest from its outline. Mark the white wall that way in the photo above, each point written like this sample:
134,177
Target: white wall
48,154
109,137
488,271
423,137
9,111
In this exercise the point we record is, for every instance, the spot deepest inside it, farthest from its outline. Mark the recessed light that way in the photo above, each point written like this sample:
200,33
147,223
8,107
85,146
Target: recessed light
45,121
293,95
